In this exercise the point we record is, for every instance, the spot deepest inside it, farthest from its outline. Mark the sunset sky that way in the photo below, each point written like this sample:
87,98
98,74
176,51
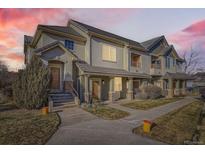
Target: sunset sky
182,27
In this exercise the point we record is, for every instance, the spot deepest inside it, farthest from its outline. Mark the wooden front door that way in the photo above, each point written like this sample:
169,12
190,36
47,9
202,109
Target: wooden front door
55,78
136,86
95,89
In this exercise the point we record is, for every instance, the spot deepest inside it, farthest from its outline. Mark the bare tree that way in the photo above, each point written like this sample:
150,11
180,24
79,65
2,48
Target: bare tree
3,67
191,61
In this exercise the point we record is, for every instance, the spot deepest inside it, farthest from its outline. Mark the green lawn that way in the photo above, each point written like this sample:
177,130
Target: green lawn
106,112
19,126
176,126
148,104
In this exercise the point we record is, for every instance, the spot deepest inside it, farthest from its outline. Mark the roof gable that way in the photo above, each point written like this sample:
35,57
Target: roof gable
57,30
154,42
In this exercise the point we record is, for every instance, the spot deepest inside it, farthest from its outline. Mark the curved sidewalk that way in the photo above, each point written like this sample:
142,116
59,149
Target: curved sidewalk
81,127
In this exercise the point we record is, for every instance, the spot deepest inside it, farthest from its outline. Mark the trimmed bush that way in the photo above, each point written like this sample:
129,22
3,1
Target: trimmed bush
149,92
153,92
30,88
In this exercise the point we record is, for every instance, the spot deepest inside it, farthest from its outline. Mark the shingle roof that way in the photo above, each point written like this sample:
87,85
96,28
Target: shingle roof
27,39
50,45
111,35
63,29
150,43
178,76
86,68
38,50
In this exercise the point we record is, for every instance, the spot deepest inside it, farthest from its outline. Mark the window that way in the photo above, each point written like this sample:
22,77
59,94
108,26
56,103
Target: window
69,44
108,53
168,62
135,60
117,84
174,62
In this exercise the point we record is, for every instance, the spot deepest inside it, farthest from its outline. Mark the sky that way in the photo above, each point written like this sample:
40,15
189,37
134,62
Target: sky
184,28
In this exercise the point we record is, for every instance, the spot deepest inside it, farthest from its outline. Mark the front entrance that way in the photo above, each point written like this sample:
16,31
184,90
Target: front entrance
55,78
96,89
136,86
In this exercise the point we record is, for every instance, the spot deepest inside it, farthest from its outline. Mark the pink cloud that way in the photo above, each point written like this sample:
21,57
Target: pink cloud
15,23
196,29
191,36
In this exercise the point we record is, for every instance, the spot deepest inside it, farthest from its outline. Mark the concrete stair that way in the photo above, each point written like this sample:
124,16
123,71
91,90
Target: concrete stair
62,100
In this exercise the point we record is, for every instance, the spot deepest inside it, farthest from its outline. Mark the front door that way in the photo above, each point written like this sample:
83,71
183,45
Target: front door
136,86
96,89
55,78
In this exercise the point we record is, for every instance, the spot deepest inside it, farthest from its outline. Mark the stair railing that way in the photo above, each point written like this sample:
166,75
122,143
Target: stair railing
75,93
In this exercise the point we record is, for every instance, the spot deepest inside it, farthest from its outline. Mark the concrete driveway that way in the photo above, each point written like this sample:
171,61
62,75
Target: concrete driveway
80,127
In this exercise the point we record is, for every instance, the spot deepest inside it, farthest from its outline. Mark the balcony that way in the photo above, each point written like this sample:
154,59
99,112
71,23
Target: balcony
155,69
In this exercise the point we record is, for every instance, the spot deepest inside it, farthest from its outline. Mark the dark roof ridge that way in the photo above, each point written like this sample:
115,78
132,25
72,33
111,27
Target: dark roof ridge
109,34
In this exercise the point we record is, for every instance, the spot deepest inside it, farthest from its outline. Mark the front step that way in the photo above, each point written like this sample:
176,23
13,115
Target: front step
62,100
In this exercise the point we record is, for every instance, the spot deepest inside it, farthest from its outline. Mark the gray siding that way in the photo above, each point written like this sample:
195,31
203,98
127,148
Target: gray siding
79,47
96,53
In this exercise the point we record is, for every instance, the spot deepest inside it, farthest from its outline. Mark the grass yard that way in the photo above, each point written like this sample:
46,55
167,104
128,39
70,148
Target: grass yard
176,126
202,132
148,104
19,126
106,112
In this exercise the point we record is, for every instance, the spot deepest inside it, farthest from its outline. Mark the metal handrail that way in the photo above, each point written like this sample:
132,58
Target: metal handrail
76,93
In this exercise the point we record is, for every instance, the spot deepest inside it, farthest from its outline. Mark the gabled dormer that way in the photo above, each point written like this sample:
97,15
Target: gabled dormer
164,57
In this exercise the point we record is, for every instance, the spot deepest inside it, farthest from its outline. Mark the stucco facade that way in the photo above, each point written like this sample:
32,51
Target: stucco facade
84,68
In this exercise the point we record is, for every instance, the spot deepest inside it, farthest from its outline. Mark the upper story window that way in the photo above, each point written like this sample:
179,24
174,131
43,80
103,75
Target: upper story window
108,53
174,62
156,63
135,60
168,59
69,44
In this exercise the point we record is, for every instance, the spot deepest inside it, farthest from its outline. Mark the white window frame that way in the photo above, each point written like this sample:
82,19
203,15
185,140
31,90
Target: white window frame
109,53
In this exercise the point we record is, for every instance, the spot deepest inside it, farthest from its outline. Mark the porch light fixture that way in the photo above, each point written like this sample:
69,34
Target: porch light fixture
103,82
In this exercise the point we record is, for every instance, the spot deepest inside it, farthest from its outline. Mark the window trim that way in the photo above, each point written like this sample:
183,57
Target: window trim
109,52
139,61
66,42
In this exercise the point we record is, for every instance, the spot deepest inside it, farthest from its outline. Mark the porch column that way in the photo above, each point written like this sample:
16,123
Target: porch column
177,89
86,86
130,89
183,90
170,88
111,89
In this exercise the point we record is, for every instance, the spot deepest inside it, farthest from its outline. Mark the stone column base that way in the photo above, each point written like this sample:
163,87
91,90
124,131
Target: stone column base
130,95
86,97
177,92
170,93
111,96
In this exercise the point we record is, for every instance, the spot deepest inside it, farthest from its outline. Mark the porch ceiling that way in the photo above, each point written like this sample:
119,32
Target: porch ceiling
95,70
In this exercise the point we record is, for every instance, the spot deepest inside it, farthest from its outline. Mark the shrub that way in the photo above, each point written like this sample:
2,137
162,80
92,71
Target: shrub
153,92
30,88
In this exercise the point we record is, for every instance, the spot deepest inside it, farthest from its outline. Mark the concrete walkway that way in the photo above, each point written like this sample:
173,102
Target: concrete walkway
81,127
151,114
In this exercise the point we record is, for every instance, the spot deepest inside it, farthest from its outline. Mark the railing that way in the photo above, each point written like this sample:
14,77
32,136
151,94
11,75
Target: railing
75,94
156,66
136,64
